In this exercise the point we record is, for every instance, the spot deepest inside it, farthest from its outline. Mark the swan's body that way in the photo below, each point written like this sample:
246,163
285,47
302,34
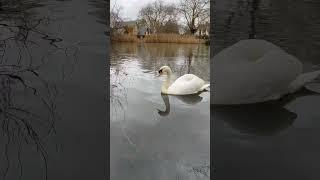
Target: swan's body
186,84
253,71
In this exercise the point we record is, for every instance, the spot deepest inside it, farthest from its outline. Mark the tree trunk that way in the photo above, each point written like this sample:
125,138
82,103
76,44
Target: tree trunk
193,31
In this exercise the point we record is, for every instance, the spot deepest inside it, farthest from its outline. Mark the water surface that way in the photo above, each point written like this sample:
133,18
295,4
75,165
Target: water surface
52,108
156,136
276,140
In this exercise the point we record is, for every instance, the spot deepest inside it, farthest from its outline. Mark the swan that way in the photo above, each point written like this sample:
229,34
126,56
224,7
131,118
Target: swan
253,71
184,85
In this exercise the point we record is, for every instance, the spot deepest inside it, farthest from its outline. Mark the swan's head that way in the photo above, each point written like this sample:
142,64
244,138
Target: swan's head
164,70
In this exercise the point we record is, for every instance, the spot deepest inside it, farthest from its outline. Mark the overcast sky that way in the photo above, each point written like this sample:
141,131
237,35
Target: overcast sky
130,8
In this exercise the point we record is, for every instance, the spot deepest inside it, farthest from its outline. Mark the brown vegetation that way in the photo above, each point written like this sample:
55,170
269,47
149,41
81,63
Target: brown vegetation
124,38
158,38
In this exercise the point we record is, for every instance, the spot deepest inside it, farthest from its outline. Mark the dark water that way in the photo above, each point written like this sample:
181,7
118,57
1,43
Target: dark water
292,25
277,140
52,108
156,136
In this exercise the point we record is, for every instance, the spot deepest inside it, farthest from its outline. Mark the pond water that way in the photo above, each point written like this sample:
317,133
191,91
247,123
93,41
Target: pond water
156,136
277,140
52,77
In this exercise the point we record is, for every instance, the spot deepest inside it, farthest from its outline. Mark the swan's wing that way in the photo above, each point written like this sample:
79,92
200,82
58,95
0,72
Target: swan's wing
186,84
243,82
244,51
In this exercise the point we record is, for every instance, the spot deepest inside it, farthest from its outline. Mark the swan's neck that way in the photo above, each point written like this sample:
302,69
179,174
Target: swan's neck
166,83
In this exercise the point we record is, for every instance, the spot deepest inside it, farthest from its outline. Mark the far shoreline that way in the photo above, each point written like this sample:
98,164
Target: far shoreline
160,38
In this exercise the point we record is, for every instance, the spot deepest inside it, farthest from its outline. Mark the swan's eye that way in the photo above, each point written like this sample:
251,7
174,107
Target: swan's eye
160,71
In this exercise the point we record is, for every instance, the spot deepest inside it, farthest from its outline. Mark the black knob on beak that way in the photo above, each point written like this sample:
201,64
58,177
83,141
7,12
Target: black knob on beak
160,71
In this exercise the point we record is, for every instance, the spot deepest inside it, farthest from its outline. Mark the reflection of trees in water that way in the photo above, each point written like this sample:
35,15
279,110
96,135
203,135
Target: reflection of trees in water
181,58
21,125
254,7
242,7
196,61
102,12
291,25
186,58
27,99
133,153
118,91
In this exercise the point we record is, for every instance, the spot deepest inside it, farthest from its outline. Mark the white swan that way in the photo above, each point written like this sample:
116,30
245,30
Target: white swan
253,71
186,84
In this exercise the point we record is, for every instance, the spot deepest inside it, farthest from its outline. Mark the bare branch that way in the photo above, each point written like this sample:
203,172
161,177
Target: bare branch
195,13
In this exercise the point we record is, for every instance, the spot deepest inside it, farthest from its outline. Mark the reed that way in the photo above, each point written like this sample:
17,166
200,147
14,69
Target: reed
172,38
124,38
159,38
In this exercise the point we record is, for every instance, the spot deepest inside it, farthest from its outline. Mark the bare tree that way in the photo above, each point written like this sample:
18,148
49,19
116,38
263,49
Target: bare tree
157,14
116,22
170,27
195,13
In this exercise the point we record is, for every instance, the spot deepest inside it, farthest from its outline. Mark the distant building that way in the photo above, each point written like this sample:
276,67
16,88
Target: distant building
203,30
142,31
130,27
133,28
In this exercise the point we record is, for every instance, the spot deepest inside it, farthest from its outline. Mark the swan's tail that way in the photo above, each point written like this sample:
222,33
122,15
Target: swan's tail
205,87
303,79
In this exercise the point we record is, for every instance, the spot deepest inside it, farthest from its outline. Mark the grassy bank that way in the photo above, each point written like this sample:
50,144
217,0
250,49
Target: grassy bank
159,38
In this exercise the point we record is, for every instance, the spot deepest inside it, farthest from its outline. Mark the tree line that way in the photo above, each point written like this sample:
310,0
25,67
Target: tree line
160,17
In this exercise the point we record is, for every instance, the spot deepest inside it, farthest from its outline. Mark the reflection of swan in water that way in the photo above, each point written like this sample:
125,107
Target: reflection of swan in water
187,99
186,84
190,99
262,118
252,71
167,104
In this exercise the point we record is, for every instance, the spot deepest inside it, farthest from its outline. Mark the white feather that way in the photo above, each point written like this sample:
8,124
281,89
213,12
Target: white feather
253,71
186,84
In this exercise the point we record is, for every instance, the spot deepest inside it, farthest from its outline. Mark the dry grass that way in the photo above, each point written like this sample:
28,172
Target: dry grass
124,38
159,38
172,38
